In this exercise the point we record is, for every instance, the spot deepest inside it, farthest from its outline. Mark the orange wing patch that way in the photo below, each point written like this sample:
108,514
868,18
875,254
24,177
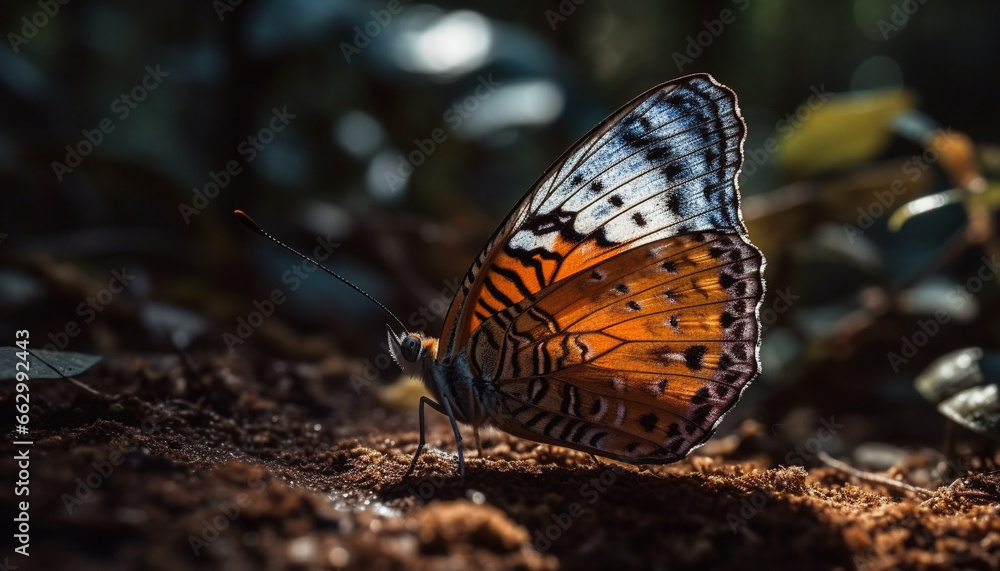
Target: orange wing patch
642,354
683,289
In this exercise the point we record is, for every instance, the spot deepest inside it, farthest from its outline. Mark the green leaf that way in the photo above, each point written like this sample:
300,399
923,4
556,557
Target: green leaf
65,364
846,130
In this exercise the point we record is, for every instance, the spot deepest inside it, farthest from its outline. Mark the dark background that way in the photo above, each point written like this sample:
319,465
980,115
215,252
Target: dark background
558,69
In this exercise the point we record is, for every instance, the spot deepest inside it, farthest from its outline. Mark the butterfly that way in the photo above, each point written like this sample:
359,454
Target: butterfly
615,310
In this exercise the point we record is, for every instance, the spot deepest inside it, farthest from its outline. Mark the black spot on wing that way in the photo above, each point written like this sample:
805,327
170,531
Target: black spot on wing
711,155
635,132
595,407
739,351
600,238
648,422
701,396
674,205
694,355
662,386
674,170
726,280
660,153
597,437
727,319
699,415
674,430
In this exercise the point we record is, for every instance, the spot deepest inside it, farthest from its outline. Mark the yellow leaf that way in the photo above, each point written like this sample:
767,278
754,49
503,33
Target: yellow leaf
846,130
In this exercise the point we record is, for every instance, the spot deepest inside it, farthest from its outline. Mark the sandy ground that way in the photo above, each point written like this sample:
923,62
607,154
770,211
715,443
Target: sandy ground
219,461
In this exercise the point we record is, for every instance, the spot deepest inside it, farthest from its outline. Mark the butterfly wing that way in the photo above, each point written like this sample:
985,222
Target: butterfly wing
664,164
637,358
615,310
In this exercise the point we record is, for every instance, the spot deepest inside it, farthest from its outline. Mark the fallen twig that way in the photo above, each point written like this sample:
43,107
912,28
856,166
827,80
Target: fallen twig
868,476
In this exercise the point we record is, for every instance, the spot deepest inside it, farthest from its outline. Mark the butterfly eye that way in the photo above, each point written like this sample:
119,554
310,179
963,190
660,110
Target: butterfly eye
410,348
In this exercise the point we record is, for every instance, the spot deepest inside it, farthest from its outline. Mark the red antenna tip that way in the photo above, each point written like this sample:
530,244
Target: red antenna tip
245,219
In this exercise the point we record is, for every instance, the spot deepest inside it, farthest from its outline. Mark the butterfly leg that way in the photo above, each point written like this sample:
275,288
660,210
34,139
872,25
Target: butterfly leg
479,445
458,435
420,445
596,461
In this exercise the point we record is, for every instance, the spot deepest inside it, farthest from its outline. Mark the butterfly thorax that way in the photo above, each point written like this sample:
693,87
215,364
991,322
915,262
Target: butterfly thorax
456,381
452,379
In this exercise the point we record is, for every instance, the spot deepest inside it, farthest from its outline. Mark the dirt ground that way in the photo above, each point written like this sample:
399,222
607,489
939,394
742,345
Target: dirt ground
222,461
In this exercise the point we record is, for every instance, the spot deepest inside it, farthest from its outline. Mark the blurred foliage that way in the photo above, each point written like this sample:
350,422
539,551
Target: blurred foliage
964,386
392,137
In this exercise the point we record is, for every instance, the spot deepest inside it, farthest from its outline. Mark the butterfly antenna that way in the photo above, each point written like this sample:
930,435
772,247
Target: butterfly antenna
253,226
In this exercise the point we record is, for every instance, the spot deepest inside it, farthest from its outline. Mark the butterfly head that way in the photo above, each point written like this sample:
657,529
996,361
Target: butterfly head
409,350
